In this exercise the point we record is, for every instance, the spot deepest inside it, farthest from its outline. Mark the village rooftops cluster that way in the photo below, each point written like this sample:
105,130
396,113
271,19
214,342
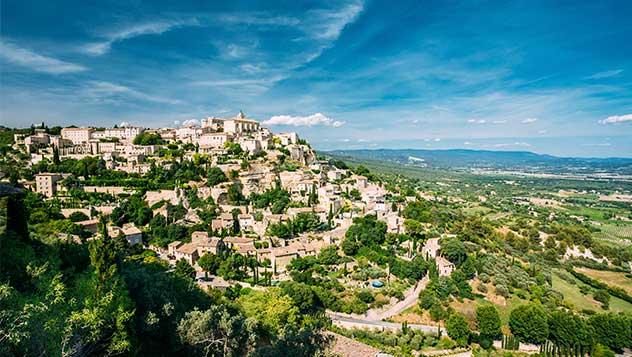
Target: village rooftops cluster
333,196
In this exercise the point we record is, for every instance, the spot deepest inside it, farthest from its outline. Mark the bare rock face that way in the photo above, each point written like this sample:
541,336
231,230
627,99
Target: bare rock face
302,153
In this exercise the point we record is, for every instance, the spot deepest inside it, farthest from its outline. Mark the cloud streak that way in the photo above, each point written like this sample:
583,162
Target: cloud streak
330,24
40,63
605,74
310,120
101,89
150,28
614,119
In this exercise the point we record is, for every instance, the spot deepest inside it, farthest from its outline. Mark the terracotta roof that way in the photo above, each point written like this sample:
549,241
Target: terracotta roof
188,248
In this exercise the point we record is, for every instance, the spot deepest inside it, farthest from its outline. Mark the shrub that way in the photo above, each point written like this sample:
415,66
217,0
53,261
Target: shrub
366,296
502,290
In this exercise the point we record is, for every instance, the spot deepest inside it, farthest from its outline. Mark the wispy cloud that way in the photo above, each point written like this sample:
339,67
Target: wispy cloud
40,63
326,26
477,121
605,74
310,120
616,119
516,144
258,18
150,28
529,120
329,24
109,92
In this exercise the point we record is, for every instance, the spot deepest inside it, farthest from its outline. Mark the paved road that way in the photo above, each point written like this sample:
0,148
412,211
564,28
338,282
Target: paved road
350,321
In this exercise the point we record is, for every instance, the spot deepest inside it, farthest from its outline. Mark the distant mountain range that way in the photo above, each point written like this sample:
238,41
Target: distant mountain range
487,159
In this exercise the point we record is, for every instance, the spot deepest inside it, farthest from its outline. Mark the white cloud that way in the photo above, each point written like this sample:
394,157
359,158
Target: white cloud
517,143
149,28
499,122
330,24
310,120
191,122
605,74
124,124
237,82
102,89
616,119
251,68
258,18
27,58
529,120
477,121
467,143
237,51
543,131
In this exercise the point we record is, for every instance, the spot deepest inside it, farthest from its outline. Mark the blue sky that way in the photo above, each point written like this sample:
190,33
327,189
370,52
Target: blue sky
545,76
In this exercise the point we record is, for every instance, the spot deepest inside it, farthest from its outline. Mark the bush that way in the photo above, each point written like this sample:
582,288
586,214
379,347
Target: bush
446,343
502,290
482,288
485,342
602,296
366,296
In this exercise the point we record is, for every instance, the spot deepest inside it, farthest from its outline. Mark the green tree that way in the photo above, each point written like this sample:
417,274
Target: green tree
148,139
216,332
612,330
488,321
235,213
103,326
235,197
529,323
78,216
365,231
454,250
569,330
303,297
457,329
184,269
209,262
215,176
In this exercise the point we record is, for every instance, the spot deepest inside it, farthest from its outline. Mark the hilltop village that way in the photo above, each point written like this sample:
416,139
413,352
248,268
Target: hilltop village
227,231
272,198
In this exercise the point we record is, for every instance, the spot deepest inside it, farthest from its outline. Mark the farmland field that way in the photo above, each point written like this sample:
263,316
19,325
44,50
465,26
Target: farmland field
609,277
580,301
618,231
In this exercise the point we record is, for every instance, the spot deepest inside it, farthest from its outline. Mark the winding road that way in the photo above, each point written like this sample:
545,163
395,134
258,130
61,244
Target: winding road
373,318
346,321
410,299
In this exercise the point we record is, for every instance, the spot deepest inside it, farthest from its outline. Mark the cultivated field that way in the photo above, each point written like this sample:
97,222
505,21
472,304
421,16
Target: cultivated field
611,278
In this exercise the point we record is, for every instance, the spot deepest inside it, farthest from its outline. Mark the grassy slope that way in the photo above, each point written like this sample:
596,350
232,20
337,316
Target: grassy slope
573,295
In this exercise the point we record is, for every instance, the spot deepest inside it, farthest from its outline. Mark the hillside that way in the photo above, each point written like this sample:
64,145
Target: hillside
487,159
